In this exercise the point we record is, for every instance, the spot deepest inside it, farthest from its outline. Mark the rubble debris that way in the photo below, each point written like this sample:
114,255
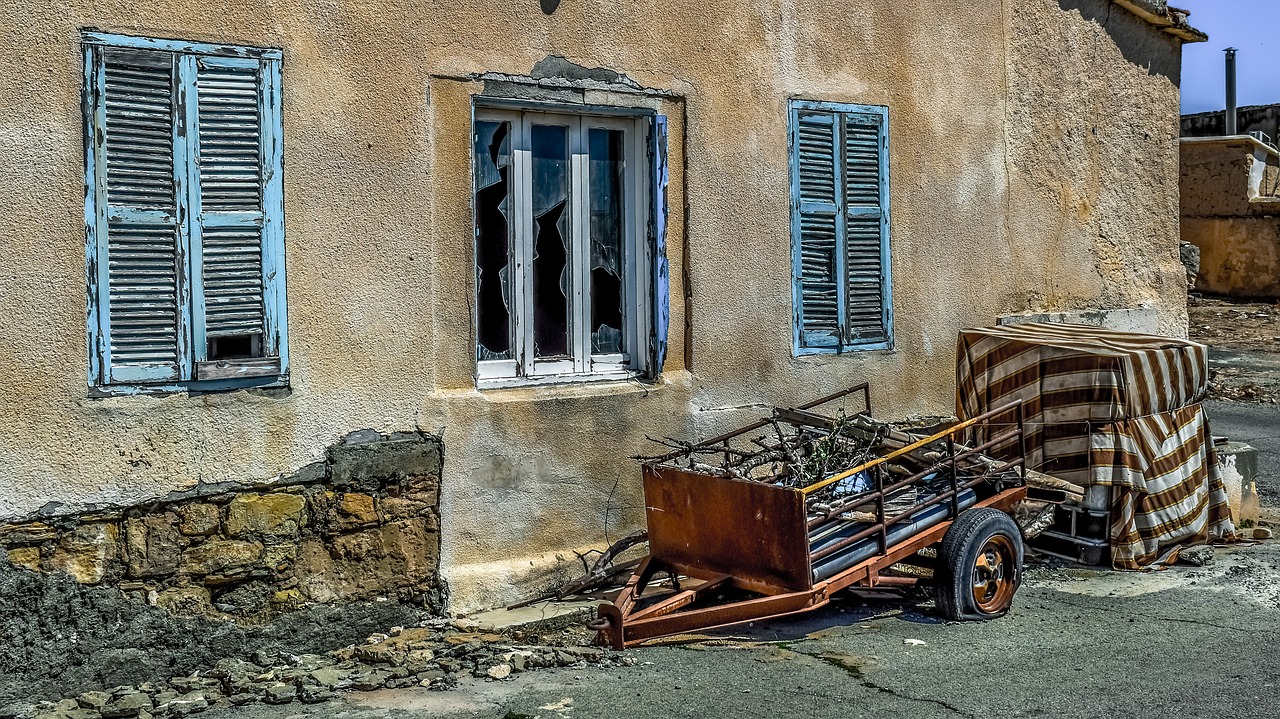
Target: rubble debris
1197,556
437,656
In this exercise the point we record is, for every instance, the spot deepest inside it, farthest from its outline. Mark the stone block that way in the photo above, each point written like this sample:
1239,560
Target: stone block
27,533
86,552
28,557
394,508
266,515
357,508
279,557
372,464
153,545
219,556
185,600
373,562
199,520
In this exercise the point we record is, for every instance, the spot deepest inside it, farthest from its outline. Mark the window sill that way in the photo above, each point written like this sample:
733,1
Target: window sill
847,349
191,388
490,383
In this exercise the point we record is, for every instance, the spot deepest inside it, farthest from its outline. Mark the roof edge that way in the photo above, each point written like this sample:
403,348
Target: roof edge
1170,20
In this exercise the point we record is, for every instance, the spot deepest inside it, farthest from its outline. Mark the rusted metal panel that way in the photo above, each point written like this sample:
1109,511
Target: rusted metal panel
711,526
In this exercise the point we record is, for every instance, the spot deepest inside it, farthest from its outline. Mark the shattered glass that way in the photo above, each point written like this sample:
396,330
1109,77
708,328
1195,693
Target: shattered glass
605,152
493,207
549,145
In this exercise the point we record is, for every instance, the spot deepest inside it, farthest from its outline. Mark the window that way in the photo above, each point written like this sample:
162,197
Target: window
840,227
567,246
184,209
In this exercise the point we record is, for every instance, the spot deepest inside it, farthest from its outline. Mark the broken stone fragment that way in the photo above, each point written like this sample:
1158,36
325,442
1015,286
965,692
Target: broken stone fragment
311,694
331,678
369,679
190,703
93,700
279,693
126,705
499,671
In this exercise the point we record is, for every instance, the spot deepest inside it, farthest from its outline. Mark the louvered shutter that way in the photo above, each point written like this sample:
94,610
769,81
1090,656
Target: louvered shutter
866,320
817,227
231,160
139,266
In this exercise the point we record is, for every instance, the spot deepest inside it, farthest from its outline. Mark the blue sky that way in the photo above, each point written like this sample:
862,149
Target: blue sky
1253,26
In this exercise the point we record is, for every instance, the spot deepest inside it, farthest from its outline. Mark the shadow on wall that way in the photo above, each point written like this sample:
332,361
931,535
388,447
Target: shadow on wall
1139,42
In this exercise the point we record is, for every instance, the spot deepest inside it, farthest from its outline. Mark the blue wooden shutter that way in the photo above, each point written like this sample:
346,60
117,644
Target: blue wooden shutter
658,247
817,225
865,190
231,157
138,184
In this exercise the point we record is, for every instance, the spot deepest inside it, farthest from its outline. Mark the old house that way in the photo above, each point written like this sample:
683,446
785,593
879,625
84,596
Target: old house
330,299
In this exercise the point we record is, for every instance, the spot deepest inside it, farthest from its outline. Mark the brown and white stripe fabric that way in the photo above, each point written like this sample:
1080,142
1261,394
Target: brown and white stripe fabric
1094,402
1166,489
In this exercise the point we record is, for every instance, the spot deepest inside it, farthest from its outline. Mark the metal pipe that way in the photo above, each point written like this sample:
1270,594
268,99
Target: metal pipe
1232,115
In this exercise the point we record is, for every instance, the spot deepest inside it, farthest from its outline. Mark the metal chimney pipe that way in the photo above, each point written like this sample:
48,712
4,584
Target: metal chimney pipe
1232,115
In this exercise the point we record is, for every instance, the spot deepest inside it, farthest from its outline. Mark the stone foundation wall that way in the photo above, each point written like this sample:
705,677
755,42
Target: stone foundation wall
362,525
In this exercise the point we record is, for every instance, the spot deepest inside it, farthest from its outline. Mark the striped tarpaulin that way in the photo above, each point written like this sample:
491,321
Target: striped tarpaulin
1111,408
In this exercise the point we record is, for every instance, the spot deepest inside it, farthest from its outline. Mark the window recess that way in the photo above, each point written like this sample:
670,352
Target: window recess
184,209
566,246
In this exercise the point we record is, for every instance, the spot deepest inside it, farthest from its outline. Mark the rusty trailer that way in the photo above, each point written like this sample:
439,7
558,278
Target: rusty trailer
775,551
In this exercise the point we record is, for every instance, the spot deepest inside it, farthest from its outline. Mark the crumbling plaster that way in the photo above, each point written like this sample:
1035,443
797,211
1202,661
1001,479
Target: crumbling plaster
1034,168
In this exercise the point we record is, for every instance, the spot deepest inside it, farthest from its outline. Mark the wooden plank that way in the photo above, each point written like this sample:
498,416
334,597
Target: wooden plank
238,368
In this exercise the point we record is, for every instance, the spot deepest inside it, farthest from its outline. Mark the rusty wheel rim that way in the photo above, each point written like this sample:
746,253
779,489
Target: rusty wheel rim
993,575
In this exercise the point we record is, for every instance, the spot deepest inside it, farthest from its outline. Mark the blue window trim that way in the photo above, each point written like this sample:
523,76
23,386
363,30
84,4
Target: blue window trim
93,37
886,278
131,381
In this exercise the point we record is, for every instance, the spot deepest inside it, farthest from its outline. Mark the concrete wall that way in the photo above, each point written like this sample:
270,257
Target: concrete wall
1251,118
1229,213
1019,184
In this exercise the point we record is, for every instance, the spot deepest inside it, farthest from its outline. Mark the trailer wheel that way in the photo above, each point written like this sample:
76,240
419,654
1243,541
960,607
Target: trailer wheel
979,566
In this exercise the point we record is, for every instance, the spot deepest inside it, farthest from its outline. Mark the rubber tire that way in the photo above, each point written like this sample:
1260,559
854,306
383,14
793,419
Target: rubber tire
953,575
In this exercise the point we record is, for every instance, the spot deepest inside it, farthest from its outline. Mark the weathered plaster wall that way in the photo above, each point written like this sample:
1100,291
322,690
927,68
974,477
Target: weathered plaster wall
1227,213
1013,167
1093,159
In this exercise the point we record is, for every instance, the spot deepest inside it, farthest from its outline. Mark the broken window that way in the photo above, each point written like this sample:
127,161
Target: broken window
563,252
185,214
840,227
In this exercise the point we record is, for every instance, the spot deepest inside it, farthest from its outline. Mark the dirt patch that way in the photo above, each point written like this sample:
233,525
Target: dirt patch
1244,337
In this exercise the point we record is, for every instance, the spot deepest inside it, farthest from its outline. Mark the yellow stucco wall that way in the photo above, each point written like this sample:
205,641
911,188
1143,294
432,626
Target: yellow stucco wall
1034,168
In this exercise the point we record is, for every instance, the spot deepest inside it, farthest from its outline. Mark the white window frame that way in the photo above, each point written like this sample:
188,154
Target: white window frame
524,368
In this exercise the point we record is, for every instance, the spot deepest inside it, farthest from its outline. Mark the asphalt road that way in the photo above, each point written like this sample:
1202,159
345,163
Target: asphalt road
1187,642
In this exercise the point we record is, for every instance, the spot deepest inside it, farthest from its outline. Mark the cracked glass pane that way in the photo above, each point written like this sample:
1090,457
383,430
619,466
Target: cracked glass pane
493,203
605,148
549,145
